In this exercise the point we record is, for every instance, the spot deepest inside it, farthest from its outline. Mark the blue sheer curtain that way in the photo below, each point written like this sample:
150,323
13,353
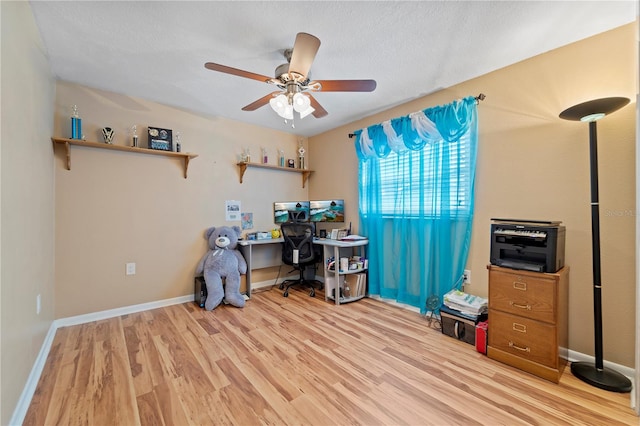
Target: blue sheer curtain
416,177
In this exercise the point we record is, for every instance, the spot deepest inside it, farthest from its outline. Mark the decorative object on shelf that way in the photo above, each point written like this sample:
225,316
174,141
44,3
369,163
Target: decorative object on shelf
281,157
291,163
178,145
161,139
301,152
265,157
596,375
76,124
134,130
247,155
107,134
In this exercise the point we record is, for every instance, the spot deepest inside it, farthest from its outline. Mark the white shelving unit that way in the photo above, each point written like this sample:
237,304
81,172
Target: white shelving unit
335,278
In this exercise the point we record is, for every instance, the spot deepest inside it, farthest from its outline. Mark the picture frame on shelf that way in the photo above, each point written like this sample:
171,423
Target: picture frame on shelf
342,233
160,139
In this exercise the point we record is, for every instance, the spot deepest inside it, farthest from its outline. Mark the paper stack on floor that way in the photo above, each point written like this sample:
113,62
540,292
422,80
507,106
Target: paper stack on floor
465,303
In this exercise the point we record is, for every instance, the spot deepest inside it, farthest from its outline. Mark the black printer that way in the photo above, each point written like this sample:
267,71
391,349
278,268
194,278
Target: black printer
530,245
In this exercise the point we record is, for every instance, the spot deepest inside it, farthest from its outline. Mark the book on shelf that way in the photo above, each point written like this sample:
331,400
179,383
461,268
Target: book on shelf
357,285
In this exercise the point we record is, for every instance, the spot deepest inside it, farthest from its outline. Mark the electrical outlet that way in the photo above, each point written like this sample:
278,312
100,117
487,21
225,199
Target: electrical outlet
131,268
38,304
467,277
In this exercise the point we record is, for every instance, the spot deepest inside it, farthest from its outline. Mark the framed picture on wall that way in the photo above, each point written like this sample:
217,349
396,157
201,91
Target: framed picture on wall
161,139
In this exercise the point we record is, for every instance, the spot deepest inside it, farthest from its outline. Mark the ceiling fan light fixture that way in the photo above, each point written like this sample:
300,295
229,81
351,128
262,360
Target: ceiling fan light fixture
307,111
278,104
293,78
301,102
288,112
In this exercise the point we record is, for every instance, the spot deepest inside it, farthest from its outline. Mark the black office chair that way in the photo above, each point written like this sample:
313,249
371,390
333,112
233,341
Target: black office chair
298,251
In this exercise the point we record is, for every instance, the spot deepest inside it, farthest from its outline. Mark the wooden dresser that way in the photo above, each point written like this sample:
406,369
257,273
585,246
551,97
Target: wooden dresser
528,320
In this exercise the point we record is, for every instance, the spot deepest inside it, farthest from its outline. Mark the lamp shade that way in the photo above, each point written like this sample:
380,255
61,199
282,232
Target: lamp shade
593,110
301,102
278,104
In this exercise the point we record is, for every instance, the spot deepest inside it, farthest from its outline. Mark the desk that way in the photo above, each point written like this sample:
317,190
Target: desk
246,248
257,256
331,282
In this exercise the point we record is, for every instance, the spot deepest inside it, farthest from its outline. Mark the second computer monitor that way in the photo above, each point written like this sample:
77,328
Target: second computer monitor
326,210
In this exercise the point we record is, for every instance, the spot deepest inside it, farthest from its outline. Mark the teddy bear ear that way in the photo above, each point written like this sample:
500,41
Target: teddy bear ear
210,231
237,230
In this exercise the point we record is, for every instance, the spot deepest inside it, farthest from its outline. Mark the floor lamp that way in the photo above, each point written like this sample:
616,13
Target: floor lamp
596,374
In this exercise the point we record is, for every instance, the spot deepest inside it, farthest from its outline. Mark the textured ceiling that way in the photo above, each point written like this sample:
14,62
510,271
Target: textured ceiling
157,50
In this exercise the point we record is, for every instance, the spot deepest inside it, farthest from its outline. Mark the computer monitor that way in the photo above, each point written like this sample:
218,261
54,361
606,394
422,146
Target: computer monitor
291,211
326,210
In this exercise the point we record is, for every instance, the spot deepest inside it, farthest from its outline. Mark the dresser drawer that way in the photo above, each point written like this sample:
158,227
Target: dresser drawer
533,340
530,295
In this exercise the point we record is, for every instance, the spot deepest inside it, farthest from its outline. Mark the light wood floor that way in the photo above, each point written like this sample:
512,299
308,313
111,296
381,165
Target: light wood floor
296,360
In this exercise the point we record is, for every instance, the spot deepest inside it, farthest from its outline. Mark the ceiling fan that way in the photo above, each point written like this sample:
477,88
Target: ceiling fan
293,79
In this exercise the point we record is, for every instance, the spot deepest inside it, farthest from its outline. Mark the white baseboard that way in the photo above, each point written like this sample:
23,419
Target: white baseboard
32,381
97,316
269,283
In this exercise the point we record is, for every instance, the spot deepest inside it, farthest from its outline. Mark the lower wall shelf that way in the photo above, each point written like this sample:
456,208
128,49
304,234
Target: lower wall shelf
305,173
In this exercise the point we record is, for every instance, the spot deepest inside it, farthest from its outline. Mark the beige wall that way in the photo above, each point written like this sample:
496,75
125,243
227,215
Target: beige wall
27,222
533,165
116,207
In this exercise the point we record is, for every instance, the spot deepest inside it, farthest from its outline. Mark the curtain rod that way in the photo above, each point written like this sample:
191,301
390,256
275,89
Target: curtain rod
478,98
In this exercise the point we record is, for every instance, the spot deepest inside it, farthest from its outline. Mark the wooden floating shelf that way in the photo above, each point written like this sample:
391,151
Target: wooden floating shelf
187,156
305,173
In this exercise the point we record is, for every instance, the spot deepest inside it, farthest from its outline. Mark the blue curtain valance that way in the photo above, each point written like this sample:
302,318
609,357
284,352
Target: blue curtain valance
412,132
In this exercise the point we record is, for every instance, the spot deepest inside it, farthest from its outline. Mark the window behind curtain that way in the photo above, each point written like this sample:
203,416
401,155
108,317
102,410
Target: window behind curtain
446,188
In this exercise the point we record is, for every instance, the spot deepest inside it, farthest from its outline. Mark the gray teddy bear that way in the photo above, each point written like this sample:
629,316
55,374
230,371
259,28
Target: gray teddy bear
223,260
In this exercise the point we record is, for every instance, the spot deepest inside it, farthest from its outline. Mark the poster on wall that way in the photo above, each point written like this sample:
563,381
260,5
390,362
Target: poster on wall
247,220
232,209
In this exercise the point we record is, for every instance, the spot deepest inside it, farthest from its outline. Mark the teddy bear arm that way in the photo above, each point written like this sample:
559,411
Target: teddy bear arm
242,264
200,267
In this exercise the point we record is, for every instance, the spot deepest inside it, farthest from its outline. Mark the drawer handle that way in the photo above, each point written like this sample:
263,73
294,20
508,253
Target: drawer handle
520,306
518,285
458,331
519,348
519,327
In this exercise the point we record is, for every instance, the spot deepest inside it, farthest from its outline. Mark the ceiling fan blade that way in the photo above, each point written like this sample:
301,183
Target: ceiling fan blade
344,85
304,51
260,102
319,111
235,71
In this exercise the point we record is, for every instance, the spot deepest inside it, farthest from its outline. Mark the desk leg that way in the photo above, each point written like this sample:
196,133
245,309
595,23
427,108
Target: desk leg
336,271
246,252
